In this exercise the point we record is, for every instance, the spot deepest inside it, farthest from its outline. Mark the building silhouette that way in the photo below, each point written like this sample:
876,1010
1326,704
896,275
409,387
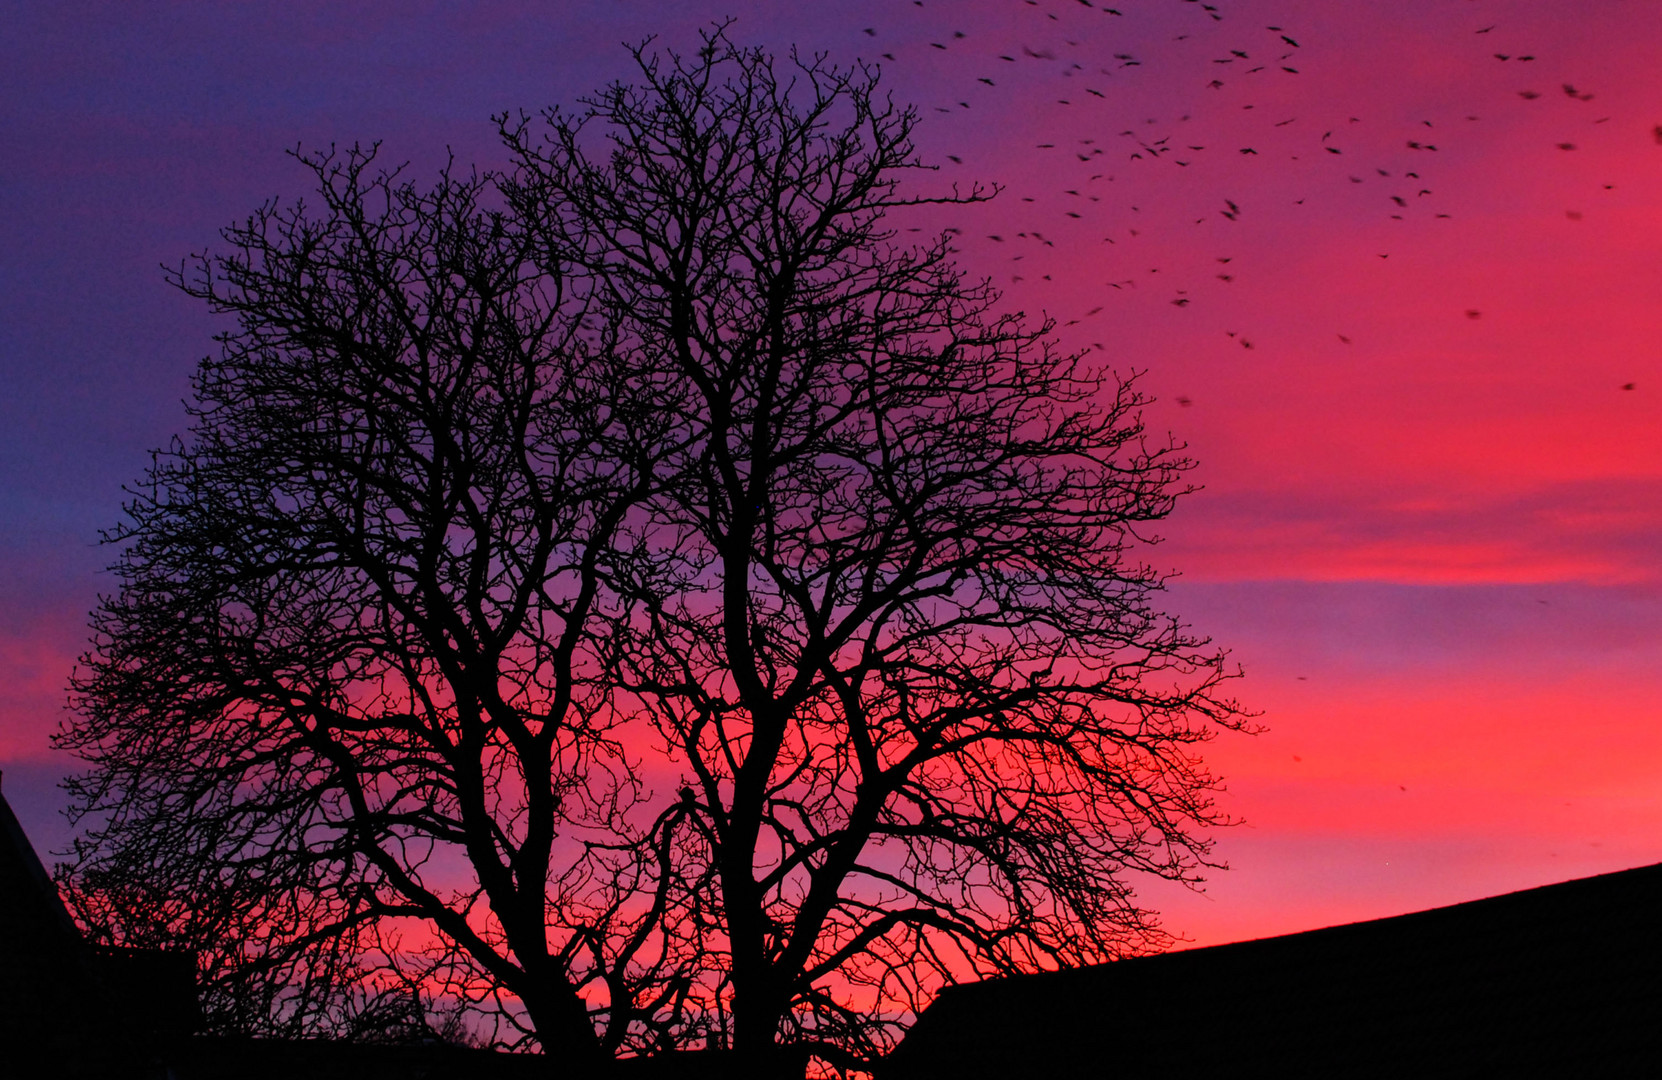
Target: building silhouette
55,1006
70,1010
1560,981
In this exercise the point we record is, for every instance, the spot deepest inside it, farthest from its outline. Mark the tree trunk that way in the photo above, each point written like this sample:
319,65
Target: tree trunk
567,1036
756,1051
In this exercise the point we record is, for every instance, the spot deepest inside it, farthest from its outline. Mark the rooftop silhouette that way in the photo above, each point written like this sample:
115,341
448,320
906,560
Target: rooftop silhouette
1563,980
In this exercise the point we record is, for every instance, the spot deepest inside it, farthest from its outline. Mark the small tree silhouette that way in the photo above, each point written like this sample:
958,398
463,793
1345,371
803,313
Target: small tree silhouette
705,621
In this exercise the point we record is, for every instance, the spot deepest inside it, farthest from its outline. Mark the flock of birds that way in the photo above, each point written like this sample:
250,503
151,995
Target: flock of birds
1073,76
1063,55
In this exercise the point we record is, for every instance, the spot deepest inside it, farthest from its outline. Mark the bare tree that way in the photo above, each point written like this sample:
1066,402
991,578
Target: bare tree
685,615
927,713
350,678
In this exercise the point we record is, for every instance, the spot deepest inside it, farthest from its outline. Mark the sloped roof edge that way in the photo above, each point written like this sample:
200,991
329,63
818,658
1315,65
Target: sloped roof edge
1569,974
13,836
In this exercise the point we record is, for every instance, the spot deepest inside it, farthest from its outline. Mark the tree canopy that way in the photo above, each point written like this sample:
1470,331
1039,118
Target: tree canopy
633,600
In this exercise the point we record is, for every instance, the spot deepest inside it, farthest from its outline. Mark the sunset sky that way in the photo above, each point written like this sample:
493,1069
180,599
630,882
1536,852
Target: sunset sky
1426,402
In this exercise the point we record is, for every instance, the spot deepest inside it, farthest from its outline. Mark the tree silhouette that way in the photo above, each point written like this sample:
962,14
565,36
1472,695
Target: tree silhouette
355,639
695,618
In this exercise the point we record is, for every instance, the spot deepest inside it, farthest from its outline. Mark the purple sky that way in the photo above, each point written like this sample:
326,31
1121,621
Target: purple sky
1433,538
